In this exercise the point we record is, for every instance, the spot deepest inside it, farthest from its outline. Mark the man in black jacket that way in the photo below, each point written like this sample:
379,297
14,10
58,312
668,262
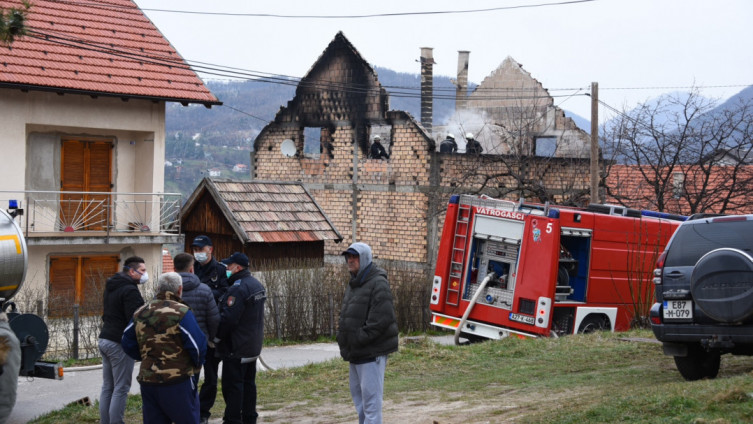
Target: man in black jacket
209,271
239,340
199,297
121,299
212,274
367,331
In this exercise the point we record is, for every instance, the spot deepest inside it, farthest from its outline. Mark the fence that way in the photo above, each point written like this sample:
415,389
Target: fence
303,303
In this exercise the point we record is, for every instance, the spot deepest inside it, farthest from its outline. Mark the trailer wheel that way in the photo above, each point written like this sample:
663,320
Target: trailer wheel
594,322
698,364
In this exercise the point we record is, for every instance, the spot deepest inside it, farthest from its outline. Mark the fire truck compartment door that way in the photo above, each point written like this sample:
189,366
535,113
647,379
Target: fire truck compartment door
496,227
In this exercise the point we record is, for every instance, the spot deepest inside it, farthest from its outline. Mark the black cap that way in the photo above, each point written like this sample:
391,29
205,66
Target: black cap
350,251
201,241
236,258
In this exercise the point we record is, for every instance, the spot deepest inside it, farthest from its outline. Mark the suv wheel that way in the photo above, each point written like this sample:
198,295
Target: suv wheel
698,364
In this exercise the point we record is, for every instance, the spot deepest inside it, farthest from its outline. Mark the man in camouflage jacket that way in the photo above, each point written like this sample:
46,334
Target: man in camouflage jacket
165,336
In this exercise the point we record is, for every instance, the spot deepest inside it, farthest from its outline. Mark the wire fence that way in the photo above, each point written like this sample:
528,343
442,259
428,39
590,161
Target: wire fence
303,303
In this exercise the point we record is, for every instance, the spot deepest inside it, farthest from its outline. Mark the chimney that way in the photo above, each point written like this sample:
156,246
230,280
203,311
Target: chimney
427,87
461,94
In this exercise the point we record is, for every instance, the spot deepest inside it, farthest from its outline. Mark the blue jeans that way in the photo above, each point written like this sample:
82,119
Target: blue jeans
366,388
117,371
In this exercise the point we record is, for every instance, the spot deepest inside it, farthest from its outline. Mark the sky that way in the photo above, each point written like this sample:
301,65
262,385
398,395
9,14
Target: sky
635,49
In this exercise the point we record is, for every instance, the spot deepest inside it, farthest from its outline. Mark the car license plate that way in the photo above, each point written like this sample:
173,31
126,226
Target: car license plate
678,309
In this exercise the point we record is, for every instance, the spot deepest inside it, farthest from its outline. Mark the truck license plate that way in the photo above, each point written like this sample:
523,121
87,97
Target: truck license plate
525,319
678,309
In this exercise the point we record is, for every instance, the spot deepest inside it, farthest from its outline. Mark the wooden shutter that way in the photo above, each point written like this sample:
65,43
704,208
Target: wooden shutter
79,280
85,166
63,276
95,270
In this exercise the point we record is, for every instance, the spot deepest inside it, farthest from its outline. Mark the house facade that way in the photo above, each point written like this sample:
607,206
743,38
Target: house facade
82,107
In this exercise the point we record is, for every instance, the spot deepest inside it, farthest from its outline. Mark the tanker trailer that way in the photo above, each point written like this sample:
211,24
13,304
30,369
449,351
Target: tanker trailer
30,329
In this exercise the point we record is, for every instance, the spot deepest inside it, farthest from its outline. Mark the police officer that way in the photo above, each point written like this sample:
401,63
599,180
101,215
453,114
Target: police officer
239,340
213,274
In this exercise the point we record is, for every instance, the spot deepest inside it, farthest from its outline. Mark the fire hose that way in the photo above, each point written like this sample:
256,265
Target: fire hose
480,289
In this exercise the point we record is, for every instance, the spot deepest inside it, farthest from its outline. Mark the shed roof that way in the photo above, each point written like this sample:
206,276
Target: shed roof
107,48
267,211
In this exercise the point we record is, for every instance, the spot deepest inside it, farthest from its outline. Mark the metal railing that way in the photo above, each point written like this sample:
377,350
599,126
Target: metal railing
108,213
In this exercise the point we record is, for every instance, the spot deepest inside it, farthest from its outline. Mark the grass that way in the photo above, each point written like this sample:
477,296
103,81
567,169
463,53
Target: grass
595,378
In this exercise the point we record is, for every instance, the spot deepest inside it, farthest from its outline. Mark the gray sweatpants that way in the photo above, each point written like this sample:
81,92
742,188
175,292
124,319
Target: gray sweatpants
117,370
366,388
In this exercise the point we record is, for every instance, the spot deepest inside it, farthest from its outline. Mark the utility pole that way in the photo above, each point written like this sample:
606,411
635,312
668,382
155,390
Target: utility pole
595,142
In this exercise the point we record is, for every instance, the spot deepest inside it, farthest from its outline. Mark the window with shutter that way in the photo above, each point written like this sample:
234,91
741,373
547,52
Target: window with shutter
86,166
79,280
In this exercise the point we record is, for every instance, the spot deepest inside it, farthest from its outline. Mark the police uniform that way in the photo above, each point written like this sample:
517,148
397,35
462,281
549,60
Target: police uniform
239,342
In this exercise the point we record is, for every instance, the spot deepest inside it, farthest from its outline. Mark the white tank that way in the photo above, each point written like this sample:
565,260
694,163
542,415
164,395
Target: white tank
13,257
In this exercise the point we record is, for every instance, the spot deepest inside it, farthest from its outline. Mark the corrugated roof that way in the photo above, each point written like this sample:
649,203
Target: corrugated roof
269,211
108,48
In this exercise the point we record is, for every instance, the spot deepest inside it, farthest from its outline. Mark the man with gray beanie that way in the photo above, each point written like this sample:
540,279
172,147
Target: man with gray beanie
367,331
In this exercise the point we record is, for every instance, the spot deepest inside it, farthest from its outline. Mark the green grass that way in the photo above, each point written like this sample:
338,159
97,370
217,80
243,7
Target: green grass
595,378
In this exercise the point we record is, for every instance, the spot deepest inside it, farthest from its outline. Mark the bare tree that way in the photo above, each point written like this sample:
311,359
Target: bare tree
680,154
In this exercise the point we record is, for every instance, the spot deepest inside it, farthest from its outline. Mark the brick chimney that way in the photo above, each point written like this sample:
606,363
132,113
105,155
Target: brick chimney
427,87
461,94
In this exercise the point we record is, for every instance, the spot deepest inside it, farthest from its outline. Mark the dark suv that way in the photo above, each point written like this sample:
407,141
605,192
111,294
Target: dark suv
704,293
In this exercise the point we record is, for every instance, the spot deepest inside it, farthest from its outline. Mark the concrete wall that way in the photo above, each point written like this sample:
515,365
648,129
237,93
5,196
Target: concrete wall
34,123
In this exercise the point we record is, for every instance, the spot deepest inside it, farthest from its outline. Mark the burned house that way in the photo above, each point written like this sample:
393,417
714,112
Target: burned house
321,139
511,112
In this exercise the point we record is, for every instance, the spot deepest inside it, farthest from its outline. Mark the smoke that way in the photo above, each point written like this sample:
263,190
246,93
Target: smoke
468,121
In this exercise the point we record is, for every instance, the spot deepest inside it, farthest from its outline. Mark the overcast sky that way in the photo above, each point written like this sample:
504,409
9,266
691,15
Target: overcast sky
624,45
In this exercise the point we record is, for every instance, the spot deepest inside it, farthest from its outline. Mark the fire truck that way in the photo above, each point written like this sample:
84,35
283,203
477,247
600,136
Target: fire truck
534,270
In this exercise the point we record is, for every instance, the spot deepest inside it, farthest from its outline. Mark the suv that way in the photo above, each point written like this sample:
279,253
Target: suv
704,293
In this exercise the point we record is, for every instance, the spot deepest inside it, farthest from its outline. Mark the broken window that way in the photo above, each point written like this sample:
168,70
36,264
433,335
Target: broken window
545,146
312,142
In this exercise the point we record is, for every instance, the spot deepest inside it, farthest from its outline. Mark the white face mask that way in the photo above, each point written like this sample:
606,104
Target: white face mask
200,256
144,278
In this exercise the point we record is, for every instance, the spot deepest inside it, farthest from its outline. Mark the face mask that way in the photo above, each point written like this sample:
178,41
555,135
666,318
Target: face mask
228,273
200,256
144,278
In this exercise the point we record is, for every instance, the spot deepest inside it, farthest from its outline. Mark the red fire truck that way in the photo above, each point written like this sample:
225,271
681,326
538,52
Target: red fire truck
512,268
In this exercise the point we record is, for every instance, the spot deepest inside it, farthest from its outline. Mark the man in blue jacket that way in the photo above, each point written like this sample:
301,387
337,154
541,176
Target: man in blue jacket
367,331
165,336
239,340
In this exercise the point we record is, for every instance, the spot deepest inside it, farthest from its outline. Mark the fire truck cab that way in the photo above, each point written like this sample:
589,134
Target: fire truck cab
505,268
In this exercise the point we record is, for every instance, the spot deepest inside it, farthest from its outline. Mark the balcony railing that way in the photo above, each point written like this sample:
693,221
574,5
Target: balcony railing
78,213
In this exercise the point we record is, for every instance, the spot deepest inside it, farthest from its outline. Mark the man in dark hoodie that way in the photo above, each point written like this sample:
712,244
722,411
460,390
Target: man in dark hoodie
367,331
121,299
199,297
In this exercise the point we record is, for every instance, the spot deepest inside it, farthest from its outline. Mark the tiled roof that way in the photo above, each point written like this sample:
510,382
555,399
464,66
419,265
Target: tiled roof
107,48
269,212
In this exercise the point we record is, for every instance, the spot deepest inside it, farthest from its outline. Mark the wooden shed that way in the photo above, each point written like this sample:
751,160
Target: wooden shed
267,220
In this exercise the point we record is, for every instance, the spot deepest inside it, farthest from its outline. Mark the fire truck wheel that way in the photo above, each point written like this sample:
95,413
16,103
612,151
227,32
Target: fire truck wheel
472,338
594,322
698,364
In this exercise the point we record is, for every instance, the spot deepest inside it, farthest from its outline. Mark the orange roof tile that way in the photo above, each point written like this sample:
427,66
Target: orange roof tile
108,48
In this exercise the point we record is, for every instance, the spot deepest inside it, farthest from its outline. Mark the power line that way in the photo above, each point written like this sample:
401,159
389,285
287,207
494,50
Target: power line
363,16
